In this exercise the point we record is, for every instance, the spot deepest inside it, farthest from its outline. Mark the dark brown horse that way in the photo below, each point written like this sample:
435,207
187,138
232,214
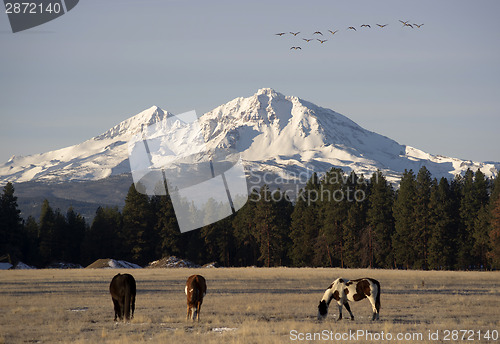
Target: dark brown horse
196,288
123,289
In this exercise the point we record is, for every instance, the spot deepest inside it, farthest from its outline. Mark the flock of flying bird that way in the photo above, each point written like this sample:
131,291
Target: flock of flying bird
307,40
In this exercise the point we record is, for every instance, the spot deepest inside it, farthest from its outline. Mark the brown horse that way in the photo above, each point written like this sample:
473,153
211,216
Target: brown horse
196,288
123,289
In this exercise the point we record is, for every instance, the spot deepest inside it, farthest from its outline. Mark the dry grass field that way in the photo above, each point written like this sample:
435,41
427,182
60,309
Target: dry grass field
247,305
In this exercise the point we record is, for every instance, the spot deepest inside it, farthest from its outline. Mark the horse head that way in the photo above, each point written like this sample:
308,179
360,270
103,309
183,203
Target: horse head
322,310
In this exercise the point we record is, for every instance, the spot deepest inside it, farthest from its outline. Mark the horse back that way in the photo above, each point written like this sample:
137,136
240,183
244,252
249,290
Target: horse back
362,288
120,283
196,288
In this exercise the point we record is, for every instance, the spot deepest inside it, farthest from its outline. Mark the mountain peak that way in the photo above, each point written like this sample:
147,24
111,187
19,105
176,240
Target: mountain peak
267,91
273,132
268,95
136,123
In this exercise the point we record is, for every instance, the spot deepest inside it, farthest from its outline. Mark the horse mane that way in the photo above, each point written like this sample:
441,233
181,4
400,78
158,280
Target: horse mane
328,295
335,285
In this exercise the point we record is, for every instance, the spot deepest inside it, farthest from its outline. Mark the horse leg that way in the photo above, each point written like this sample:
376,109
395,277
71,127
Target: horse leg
122,309
188,313
374,308
117,308
198,311
132,305
340,312
346,305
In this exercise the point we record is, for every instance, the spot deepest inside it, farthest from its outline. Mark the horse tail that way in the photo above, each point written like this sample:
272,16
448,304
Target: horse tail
377,298
196,292
126,304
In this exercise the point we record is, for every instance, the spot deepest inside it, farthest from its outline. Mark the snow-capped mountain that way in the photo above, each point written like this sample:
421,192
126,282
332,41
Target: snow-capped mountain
281,134
100,157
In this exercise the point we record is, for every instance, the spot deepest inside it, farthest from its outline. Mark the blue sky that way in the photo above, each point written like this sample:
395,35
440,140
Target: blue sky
435,88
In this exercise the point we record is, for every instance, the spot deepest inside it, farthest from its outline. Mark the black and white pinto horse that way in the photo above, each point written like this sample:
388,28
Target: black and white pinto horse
123,289
343,290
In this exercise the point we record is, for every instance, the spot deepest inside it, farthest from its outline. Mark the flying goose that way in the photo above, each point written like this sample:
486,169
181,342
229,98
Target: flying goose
322,41
295,33
295,48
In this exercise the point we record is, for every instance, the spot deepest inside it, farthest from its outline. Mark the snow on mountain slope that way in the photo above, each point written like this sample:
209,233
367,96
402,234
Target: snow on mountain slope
94,159
276,133
288,135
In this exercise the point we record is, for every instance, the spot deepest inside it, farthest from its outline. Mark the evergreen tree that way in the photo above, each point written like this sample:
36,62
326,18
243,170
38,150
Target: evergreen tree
102,238
304,224
11,223
218,236
474,197
59,252
272,214
355,224
46,234
329,247
421,216
481,235
244,232
353,229
283,208
167,227
495,192
74,236
494,253
405,253
481,187
137,233
193,247
482,222
494,209
30,247
381,223
442,241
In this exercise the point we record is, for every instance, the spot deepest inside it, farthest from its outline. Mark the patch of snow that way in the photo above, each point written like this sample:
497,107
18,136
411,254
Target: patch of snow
172,262
78,309
5,266
107,263
122,264
64,265
223,329
22,266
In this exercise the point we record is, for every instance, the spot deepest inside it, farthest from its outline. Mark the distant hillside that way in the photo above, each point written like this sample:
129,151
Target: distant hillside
84,197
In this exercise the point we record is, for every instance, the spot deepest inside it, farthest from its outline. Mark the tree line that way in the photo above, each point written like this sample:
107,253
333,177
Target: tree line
336,220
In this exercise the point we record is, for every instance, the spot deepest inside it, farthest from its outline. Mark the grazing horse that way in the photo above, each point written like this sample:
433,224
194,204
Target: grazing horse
122,289
196,288
343,290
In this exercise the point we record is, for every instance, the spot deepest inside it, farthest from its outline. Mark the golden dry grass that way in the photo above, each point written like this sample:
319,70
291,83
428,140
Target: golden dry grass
247,305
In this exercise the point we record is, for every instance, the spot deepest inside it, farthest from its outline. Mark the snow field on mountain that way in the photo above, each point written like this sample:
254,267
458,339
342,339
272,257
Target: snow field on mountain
272,132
